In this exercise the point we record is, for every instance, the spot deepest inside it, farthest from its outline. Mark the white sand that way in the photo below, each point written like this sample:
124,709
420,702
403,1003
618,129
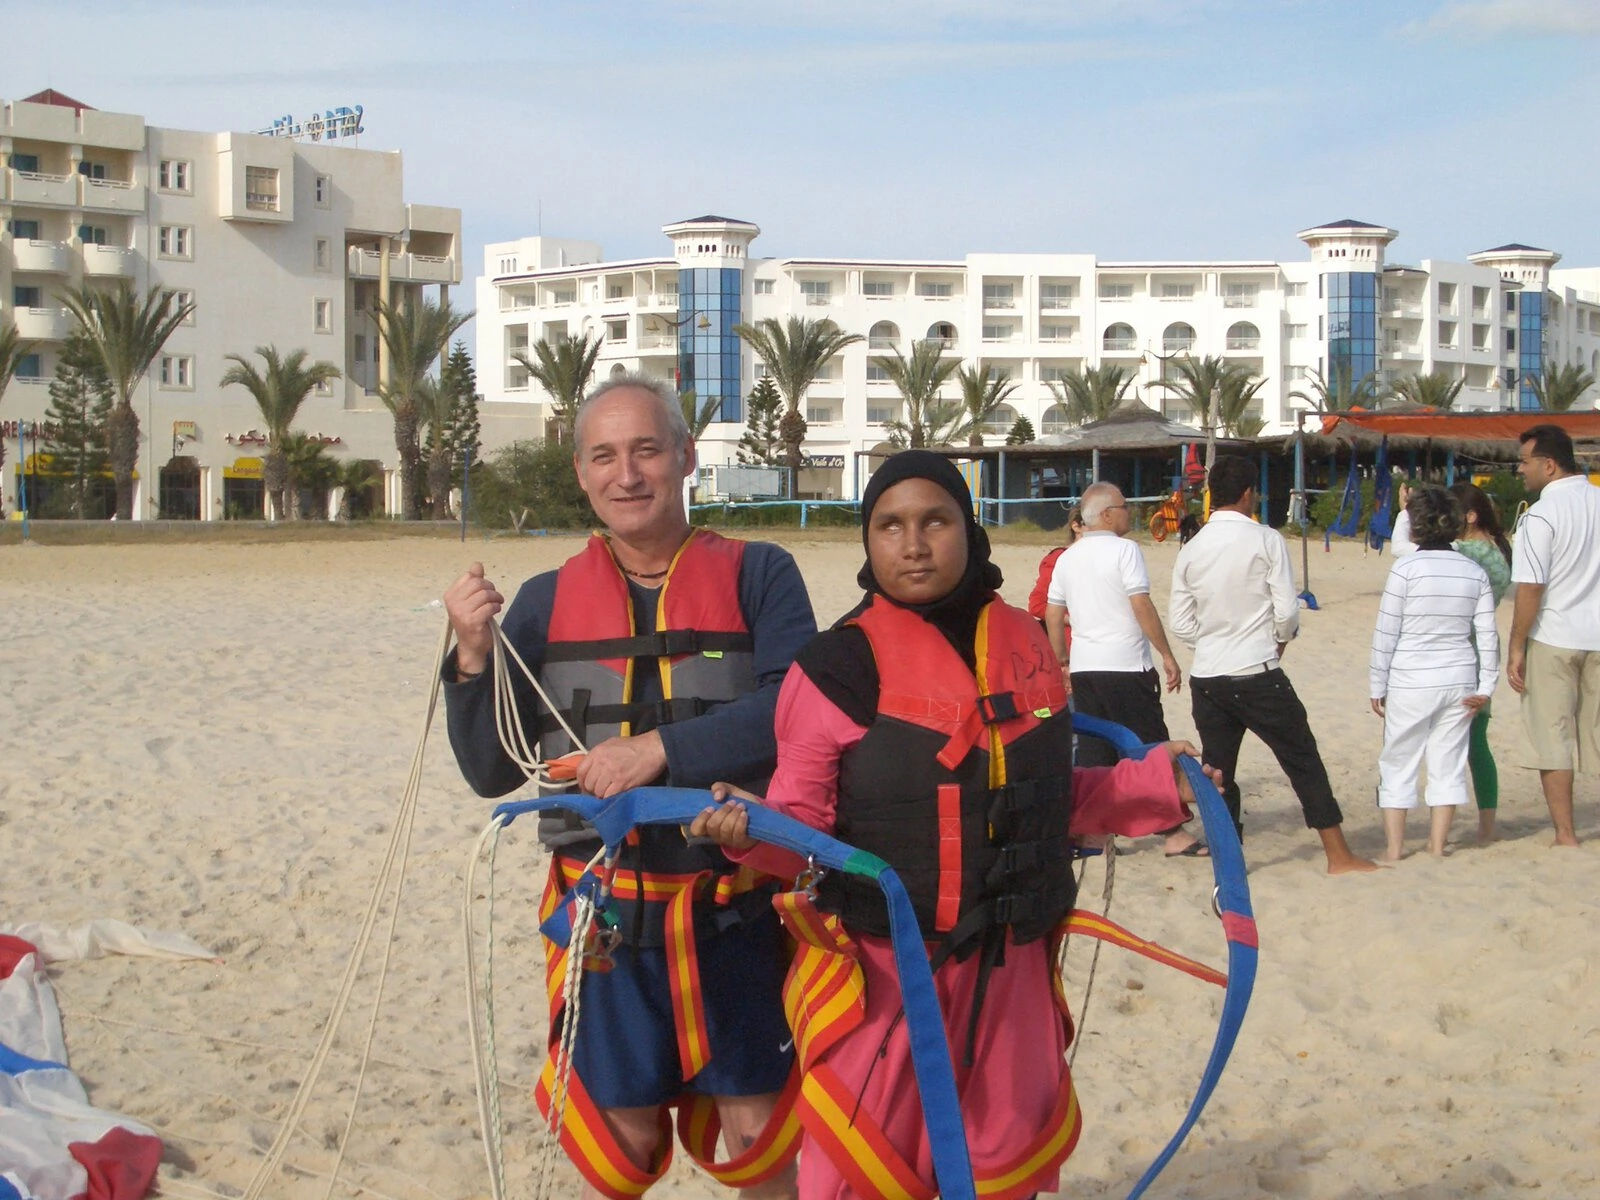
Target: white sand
213,738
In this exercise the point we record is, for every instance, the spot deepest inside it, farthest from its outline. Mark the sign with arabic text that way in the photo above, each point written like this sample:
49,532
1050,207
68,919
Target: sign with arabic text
328,125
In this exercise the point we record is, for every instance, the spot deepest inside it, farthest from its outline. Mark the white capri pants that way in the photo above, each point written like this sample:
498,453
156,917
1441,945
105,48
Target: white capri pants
1424,725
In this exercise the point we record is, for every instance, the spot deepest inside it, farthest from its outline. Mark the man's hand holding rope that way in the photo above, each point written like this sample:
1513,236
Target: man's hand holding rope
472,603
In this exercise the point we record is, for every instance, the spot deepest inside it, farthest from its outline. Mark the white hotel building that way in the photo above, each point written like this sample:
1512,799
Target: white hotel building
1491,322
278,241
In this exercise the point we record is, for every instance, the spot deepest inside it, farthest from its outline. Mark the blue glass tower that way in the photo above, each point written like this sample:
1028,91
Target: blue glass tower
709,306
1530,347
1352,298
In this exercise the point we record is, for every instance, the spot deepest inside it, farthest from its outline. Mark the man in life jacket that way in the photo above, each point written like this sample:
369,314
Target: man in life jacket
664,649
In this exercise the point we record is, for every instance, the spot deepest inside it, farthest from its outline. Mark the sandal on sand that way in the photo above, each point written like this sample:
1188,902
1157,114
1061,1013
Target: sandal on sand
1192,850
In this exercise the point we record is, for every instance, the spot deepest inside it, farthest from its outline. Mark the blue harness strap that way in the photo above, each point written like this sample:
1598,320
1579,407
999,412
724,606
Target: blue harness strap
1238,923
930,1052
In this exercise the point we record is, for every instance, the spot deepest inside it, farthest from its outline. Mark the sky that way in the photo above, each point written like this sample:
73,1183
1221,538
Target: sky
1129,129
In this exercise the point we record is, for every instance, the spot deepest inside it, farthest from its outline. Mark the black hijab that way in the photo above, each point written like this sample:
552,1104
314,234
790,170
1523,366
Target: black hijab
840,662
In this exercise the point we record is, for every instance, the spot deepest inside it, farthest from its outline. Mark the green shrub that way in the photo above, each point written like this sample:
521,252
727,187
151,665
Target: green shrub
529,477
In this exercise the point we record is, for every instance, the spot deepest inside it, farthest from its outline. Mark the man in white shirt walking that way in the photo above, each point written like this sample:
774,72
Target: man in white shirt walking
1553,658
1101,580
1233,600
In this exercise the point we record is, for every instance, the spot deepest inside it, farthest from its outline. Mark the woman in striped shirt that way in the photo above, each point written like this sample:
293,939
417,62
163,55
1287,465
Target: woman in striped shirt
1435,660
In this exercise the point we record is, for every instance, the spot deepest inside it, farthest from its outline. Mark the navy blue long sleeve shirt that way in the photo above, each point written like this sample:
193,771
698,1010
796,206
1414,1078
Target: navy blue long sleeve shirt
733,742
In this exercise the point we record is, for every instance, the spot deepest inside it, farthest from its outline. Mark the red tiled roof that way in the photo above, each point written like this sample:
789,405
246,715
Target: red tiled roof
60,99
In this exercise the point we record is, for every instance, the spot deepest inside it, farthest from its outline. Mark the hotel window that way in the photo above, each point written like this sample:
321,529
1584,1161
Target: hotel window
617,331
92,235
876,374
1511,302
177,371
937,291
322,191
816,291
175,241
27,297
1056,333
999,295
178,300
763,287
1511,340
359,347
569,296
1116,291
1480,301
1173,291
1447,296
324,257
1293,290
997,333
92,170
322,315
30,366
25,231
819,416
879,416
1294,373
1057,295
261,189
1447,333
28,164
1239,295
1295,331
761,370
325,387
173,175
1052,374
883,289
1480,337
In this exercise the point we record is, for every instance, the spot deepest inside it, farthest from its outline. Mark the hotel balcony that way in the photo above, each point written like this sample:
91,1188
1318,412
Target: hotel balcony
50,258
1402,309
109,262
999,303
1401,352
42,324
1244,345
1057,303
32,187
112,195
403,268
1058,339
1119,346
657,342
882,343
660,300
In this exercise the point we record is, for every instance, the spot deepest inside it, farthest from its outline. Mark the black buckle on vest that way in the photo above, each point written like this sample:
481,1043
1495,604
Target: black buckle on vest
683,708
672,642
998,707
1013,909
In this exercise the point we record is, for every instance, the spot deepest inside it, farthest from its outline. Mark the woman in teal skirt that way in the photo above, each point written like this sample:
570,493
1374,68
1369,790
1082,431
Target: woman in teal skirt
1484,542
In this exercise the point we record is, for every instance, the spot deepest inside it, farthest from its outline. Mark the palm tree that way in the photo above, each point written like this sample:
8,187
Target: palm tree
12,351
1233,414
435,407
309,466
1199,379
919,379
1435,389
795,353
563,370
982,392
697,416
415,336
355,475
127,334
1559,388
1091,394
279,392
1342,392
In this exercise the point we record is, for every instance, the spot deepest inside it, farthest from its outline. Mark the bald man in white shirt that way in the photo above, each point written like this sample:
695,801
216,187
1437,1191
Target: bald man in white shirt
1233,600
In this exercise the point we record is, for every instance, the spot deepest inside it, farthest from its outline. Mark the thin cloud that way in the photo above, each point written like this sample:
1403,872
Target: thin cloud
1493,17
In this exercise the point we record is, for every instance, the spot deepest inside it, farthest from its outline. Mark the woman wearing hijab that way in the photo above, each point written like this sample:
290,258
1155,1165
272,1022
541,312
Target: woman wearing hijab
930,727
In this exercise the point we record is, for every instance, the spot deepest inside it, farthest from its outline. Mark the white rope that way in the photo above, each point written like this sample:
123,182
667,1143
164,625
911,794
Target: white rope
485,1067
1109,854
399,845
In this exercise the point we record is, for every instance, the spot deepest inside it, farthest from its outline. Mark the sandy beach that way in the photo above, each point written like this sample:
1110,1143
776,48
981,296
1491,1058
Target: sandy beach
213,738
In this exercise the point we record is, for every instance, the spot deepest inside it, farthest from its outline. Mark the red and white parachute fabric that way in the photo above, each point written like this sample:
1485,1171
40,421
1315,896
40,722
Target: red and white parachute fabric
53,1144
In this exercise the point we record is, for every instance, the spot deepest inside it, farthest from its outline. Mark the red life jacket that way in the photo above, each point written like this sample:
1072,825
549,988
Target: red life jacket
963,782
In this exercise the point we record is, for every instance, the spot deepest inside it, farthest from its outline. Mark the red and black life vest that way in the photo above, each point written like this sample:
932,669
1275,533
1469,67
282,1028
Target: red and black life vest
963,783
702,651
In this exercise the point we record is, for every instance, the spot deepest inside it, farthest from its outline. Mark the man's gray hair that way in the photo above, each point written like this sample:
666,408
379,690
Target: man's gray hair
671,409
1098,497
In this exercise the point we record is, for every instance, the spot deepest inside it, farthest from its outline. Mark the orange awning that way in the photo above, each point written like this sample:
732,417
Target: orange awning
1496,426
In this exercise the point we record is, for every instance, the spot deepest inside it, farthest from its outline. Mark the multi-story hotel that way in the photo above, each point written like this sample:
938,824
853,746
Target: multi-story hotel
1495,323
278,240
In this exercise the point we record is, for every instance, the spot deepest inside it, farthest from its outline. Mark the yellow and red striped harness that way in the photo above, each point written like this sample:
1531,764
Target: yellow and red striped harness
824,998
585,1137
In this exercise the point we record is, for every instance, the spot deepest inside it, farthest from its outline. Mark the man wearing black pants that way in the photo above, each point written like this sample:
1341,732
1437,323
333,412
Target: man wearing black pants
1101,584
1233,600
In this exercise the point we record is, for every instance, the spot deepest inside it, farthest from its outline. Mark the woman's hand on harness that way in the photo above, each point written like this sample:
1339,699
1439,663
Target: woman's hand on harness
1186,793
726,824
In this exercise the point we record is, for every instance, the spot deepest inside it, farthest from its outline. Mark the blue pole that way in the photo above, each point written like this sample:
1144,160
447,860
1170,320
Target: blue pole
1000,517
1450,469
22,477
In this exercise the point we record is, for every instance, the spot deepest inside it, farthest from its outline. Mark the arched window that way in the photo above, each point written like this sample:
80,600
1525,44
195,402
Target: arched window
1178,338
942,331
1054,420
1001,420
1243,336
1118,337
618,370
885,335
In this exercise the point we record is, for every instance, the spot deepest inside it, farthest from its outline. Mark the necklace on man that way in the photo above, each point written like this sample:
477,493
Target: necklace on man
662,574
